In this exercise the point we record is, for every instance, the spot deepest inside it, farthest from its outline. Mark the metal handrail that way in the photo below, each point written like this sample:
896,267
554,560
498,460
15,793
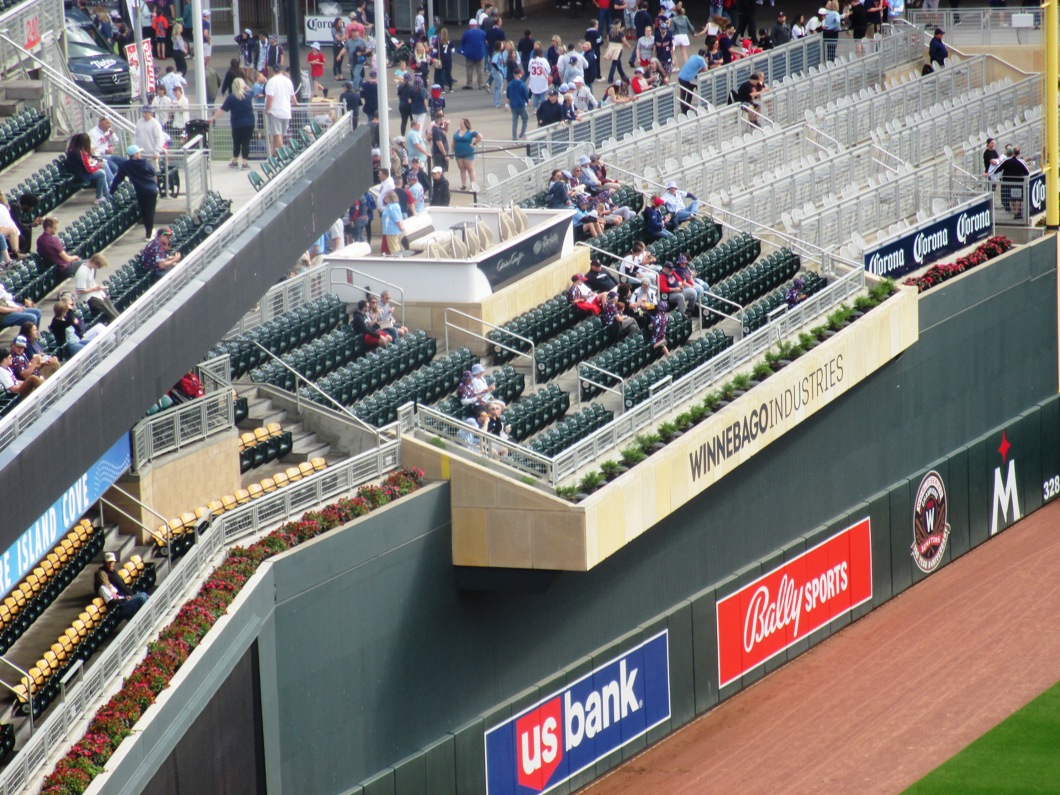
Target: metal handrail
356,420
532,356
29,688
620,392
335,267
143,433
165,539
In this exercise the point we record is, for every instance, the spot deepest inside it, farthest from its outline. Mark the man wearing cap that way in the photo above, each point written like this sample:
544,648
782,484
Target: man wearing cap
599,280
416,191
688,76
674,200
207,38
518,98
747,95
279,101
572,64
155,258
150,137
440,196
355,51
10,383
141,174
469,395
103,140
781,30
479,383
614,319
248,47
473,48
370,95
671,289
582,296
937,50
52,249
24,366
655,220
113,590
583,96
550,111
272,55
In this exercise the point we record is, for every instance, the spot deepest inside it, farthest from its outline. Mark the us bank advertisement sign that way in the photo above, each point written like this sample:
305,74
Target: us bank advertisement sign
46,532
559,736
922,246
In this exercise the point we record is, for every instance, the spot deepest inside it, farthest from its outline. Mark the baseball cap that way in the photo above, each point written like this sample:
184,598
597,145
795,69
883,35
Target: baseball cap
133,149
596,264
564,88
167,232
578,277
206,13
638,70
146,109
314,46
373,73
553,93
19,340
465,375
822,11
671,184
477,368
612,294
436,170
658,202
566,174
109,557
579,79
471,22
618,81
939,31
248,31
349,84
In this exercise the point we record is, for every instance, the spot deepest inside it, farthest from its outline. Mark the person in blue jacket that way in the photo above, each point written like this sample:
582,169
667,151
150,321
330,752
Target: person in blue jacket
655,221
473,48
518,98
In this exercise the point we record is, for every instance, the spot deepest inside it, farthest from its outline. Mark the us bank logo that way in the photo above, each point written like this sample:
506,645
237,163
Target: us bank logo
558,737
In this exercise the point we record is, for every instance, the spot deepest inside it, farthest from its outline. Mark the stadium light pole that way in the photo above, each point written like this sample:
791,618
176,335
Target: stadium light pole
1052,125
384,87
200,57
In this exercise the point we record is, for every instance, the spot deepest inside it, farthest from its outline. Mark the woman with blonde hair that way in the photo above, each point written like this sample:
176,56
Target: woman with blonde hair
240,103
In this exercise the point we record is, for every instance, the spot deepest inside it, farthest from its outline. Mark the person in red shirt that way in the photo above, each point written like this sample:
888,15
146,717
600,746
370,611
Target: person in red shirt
639,82
671,289
316,68
160,25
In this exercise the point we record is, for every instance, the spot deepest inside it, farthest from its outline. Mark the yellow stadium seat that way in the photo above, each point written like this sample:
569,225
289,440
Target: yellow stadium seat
274,429
242,496
255,490
229,502
247,440
281,480
261,435
217,507
294,474
268,485
306,468
319,464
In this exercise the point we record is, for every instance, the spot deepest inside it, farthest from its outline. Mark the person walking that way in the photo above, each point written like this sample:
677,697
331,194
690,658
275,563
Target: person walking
280,99
518,98
144,180
240,103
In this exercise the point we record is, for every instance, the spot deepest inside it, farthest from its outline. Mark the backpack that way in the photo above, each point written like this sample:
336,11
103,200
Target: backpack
369,202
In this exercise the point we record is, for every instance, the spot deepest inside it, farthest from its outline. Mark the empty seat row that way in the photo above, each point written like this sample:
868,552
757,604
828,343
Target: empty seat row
79,641
385,365
19,134
757,315
692,239
263,446
285,155
30,278
25,603
678,364
570,347
537,325
282,334
507,384
630,355
750,284
533,412
571,430
102,224
176,536
726,258
52,185
618,240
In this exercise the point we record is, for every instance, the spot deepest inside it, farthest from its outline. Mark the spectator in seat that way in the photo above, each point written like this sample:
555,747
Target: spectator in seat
496,426
599,280
125,607
24,215
615,318
683,271
586,220
85,168
481,386
156,258
657,322
582,296
472,398
386,317
109,571
559,191
10,383
150,137
672,290
144,180
25,364
364,325
91,291
67,329
33,346
9,234
655,220
674,200
642,301
103,140
52,249
13,313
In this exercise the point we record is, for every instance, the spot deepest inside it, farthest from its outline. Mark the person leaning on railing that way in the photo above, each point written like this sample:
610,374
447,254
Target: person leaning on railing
144,180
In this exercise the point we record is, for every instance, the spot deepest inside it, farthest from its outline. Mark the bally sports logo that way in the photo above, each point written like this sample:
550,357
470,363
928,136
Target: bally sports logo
762,619
570,730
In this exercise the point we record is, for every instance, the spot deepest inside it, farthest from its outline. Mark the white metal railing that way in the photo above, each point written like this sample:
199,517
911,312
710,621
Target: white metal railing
1025,130
129,323
969,25
554,470
182,425
44,17
67,717
284,297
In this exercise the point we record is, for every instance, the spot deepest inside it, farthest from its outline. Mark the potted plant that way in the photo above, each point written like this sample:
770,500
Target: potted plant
760,372
697,413
820,332
741,382
862,304
591,482
667,431
610,469
807,341
632,456
710,403
648,443
772,359
728,394
684,421
569,493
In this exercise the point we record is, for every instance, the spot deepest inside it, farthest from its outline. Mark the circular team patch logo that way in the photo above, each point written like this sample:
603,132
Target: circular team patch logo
930,530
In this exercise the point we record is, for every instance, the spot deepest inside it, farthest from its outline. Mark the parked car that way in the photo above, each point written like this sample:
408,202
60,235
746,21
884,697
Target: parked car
93,66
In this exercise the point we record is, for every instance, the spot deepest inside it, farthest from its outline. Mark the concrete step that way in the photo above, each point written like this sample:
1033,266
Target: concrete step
32,90
307,451
9,107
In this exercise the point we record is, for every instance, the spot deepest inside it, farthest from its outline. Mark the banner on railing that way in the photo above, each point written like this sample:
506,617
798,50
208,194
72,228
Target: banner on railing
133,57
45,533
1036,194
934,241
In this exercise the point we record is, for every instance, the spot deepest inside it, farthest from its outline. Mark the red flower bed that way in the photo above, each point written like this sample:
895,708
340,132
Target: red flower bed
937,274
113,721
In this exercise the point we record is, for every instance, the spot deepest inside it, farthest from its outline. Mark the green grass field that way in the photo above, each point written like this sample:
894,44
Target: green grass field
1021,754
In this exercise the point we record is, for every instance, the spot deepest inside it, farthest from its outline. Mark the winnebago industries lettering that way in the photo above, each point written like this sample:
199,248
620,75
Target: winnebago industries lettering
741,432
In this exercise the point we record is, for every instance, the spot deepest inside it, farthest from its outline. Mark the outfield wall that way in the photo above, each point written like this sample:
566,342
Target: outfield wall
369,655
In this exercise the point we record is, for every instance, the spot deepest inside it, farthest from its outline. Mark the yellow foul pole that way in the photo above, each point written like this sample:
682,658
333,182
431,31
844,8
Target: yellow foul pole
1051,28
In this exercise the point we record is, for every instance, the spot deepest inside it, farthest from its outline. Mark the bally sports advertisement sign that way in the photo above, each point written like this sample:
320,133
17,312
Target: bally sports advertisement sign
780,608
559,736
932,242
